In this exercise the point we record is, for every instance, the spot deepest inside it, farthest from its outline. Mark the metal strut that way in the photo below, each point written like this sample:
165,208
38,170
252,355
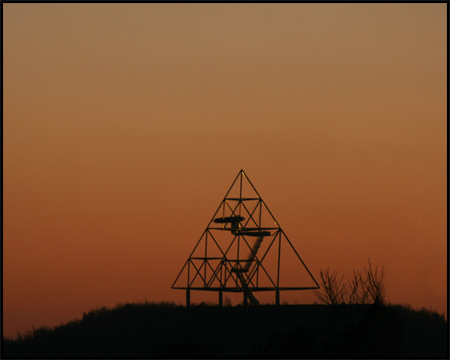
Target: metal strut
215,273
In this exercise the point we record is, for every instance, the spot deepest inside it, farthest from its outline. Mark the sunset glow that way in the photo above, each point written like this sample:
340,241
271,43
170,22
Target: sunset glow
124,126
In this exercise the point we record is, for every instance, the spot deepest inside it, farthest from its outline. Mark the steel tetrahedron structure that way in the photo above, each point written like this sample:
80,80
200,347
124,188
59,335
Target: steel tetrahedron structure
243,249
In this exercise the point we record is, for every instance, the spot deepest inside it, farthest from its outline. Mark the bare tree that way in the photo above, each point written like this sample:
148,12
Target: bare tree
375,284
365,287
334,289
355,295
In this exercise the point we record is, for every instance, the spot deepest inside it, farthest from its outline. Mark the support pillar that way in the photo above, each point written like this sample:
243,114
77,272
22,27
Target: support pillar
245,299
277,297
188,298
220,298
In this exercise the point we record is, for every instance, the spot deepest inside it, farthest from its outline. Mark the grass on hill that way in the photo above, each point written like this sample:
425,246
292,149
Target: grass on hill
154,330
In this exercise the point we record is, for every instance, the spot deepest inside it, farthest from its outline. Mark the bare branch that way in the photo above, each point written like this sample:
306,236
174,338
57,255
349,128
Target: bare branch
334,290
365,287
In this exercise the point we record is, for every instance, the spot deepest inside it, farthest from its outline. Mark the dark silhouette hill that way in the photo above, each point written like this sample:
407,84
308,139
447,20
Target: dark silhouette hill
287,331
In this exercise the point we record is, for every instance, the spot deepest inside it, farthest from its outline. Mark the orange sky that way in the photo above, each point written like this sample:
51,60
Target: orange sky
125,124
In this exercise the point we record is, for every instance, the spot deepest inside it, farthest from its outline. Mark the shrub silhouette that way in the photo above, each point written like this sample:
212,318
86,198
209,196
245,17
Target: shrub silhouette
206,331
383,331
366,287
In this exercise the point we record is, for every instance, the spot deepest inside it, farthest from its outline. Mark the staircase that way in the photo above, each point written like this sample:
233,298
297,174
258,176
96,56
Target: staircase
252,254
253,299
246,267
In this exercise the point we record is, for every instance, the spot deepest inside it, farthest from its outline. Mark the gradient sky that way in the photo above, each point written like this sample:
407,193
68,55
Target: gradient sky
125,124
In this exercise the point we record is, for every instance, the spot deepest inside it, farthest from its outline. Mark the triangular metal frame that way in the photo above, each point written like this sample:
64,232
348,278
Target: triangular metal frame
243,218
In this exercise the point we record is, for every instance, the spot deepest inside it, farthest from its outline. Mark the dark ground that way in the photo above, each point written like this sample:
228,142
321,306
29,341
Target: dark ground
287,331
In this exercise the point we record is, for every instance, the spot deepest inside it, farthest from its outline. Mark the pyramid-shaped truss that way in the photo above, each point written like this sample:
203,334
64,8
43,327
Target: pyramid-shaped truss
243,249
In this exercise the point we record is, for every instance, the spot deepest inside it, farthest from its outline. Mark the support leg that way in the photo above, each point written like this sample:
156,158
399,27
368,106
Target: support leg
277,297
188,298
220,298
245,299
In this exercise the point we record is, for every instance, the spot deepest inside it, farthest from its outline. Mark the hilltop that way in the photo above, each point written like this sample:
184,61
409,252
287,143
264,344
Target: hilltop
168,330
